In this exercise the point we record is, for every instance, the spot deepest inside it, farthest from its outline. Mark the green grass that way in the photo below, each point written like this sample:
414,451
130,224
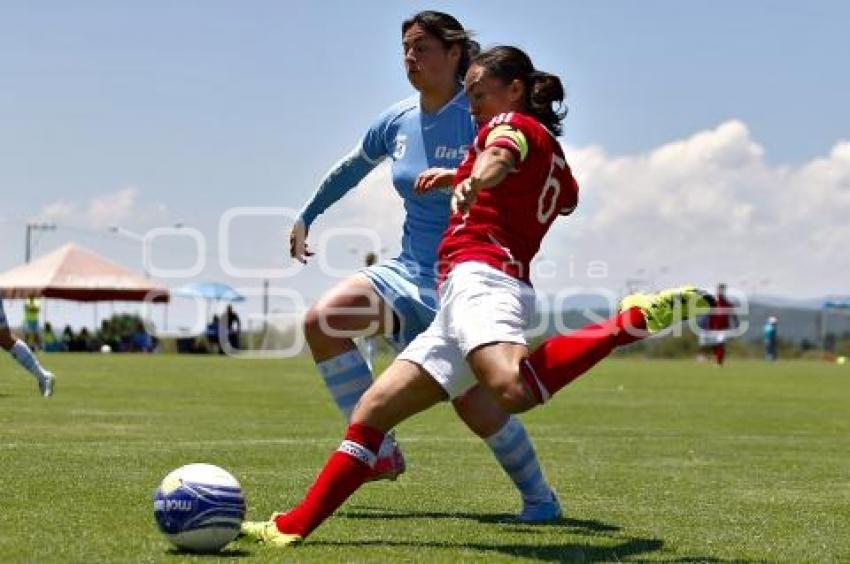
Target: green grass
662,460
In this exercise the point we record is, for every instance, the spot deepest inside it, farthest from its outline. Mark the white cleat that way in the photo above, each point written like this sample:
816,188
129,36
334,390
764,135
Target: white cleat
45,384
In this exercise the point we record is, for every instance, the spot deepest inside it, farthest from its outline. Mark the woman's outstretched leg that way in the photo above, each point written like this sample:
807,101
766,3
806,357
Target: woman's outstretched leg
403,390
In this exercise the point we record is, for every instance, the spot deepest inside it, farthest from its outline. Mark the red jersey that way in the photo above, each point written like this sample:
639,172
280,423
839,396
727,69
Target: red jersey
507,222
722,315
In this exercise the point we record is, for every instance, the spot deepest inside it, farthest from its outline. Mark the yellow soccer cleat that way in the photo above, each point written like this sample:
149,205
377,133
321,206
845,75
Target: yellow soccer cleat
266,532
671,306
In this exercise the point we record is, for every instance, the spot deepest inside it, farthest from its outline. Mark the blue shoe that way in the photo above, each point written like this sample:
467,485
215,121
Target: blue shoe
541,512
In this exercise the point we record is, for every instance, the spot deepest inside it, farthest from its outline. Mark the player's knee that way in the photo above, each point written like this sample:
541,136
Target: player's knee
314,324
480,412
512,396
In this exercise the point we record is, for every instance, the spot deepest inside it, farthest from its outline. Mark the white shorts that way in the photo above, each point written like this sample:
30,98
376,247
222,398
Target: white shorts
478,305
712,338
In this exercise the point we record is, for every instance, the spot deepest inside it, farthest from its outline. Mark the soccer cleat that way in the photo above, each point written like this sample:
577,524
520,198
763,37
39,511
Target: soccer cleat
389,466
45,384
671,306
542,512
266,532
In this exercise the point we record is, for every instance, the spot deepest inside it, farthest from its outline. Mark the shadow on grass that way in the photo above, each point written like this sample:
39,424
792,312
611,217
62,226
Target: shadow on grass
582,526
226,553
569,552
623,547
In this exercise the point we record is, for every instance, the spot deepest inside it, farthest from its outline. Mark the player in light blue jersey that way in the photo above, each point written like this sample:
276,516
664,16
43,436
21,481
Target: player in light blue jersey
397,298
24,356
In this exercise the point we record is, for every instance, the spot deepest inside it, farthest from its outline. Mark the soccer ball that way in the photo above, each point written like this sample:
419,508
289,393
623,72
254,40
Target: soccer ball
199,507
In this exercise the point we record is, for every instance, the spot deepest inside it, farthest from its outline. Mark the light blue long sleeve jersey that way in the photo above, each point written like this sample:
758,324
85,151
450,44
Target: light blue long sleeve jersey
414,140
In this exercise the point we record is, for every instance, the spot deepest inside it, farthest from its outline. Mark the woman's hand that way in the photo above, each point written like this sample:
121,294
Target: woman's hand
434,179
465,194
298,242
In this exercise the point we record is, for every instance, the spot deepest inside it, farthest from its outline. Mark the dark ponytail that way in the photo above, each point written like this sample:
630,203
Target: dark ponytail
450,32
544,93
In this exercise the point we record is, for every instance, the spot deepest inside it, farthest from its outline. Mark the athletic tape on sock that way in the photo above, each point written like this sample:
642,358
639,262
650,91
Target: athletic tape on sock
359,452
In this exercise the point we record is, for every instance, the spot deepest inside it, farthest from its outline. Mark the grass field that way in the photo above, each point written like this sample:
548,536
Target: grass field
653,460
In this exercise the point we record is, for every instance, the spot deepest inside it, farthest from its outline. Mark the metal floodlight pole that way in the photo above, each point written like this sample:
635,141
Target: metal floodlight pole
31,227
123,231
118,230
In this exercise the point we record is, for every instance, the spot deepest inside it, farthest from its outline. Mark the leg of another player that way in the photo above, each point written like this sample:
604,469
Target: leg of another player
350,309
403,390
25,357
510,444
720,353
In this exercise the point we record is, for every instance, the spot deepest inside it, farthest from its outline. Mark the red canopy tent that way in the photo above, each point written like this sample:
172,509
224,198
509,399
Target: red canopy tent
75,273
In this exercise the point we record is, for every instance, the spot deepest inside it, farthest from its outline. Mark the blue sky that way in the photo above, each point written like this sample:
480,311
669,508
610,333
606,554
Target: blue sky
191,108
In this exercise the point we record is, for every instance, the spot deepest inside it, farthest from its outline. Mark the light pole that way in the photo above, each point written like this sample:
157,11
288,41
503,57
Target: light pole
117,229
123,231
31,227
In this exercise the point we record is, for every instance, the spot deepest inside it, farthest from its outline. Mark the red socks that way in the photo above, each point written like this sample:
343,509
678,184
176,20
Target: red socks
562,359
345,471
720,353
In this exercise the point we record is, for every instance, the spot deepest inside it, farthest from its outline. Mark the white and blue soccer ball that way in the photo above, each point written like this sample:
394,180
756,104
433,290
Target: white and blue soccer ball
199,507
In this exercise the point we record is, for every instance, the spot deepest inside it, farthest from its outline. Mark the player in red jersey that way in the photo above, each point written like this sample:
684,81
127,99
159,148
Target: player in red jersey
506,195
484,232
720,320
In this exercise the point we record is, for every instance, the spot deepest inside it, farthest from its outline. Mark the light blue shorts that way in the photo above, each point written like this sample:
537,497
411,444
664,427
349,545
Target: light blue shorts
410,293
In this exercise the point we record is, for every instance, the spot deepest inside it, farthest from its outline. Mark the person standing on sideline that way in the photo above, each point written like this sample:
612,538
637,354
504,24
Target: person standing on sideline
24,355
396,298
32,335
720,320
771,339
234,327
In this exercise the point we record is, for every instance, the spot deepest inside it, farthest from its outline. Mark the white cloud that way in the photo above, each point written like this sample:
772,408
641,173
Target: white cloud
112,208
710,207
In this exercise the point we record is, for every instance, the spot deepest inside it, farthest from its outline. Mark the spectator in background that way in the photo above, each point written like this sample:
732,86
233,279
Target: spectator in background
83,342
140,340
68,338
32,309
49,340
234,328
213,342
771,339
717,324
